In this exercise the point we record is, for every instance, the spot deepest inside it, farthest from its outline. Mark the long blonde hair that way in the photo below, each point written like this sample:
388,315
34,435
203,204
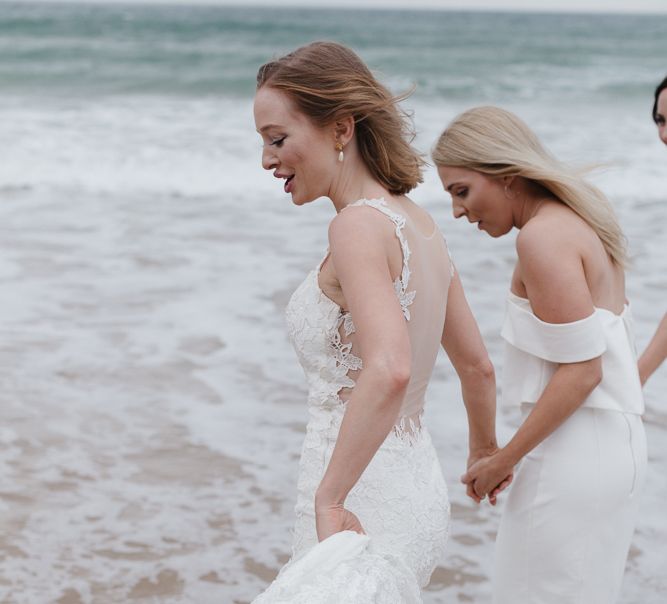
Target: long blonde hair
327,81
496,142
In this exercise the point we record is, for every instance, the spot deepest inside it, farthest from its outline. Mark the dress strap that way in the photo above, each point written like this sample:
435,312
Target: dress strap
452,269
401,284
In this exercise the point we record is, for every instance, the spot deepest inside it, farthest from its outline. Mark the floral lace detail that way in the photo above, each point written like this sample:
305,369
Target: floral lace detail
401,498
348,324
343,352
404,297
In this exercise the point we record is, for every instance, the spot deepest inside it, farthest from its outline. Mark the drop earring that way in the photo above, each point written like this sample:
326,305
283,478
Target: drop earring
341,155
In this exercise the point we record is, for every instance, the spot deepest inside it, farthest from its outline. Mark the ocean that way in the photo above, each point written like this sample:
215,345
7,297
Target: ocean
151,407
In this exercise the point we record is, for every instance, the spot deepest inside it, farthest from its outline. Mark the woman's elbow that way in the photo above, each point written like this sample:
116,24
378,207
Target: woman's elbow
392,375
479,370
398,376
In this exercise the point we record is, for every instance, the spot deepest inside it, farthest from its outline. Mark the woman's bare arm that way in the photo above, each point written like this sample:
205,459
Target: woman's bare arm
655,352
465,348
553,274
358,238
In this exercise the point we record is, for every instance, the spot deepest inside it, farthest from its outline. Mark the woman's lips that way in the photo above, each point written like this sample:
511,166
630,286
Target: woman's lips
289,184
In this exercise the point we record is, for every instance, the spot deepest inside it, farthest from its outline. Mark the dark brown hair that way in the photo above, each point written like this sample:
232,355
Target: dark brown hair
327,82
658,90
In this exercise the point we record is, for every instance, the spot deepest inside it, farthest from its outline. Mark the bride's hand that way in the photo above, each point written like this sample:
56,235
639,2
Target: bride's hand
488,476
473,457
333,518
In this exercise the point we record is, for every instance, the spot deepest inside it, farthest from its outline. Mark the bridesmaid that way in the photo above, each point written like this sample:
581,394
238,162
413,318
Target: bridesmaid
570,365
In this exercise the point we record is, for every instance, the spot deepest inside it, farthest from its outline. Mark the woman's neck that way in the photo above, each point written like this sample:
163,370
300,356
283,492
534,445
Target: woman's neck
353,183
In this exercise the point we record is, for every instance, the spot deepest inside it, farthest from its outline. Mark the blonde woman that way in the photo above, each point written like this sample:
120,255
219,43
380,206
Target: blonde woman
570,365
366,324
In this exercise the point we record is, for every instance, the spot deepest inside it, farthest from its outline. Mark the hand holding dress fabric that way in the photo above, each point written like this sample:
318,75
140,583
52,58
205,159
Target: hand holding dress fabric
331,519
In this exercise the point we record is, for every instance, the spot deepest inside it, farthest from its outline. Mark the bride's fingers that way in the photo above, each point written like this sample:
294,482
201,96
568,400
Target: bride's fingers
481,494
470,492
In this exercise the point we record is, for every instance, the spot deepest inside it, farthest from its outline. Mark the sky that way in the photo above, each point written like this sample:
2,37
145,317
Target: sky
640,6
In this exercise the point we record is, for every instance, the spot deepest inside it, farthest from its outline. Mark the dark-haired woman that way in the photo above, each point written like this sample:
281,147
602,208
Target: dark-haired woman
659,112
366,324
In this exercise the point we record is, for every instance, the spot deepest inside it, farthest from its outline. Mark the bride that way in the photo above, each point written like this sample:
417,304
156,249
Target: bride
366,324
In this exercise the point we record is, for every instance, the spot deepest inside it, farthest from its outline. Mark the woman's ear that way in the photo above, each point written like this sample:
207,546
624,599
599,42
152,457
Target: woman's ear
344,130
508,180
507,184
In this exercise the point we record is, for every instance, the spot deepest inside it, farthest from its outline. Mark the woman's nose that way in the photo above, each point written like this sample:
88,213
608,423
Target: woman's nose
662,133
269,160
458,210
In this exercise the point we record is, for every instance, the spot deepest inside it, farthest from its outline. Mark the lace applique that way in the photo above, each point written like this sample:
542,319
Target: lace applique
348,324
343,352
405,298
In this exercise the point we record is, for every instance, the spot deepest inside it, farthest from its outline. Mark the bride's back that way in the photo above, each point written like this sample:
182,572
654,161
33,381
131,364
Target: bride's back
423,272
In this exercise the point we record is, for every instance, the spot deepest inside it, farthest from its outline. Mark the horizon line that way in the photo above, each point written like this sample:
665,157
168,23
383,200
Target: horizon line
332,5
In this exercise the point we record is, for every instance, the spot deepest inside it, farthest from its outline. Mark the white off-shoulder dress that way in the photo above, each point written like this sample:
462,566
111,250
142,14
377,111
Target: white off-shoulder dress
570,514
401,498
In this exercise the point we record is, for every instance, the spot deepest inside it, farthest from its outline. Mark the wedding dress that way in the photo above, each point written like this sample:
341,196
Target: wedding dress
401,498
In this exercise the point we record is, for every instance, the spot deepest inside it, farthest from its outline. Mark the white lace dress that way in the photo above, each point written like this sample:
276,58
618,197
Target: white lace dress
401,498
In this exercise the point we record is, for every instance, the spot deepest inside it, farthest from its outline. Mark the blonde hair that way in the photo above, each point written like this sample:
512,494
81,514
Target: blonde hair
328,82
496,142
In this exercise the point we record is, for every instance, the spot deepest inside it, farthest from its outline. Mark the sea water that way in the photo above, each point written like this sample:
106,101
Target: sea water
151,408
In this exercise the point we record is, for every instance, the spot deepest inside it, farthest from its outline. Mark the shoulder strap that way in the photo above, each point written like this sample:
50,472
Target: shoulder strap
399,222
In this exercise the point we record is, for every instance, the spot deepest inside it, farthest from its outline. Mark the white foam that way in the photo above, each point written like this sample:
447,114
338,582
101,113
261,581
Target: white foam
152,405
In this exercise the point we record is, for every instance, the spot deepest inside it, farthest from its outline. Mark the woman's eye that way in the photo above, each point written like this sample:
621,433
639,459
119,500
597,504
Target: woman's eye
278,142
461,192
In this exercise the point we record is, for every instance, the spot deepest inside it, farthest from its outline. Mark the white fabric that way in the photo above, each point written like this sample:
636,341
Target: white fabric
570,513
533,350
343,568
401,498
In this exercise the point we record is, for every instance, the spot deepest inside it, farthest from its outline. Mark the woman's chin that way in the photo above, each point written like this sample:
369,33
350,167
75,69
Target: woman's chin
495,231
300,200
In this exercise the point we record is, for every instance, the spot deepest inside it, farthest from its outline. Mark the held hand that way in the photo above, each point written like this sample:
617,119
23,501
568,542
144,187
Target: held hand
333,518
488,475
474,456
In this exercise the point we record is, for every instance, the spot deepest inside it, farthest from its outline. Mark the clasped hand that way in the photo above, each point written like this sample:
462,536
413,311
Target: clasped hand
488,474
